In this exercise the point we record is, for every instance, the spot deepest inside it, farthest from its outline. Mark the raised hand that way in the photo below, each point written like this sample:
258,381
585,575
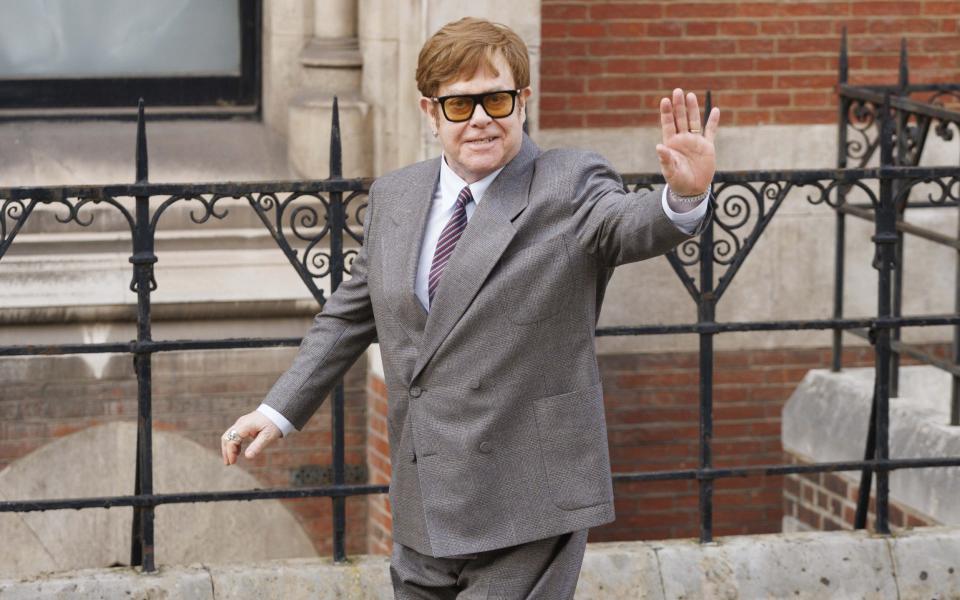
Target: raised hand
687,156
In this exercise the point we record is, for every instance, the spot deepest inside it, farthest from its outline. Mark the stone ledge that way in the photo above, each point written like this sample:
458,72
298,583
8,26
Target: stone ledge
922,563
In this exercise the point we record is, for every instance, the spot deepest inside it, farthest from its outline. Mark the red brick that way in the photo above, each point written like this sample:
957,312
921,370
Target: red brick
896,7
628,29
777,27
940,7
701,28
741,64
623,10
739,28
563,84
624,48
664,29
697,10
708,47
553,30
586,102
562,12
816,9
585,30
560,121
755,46
904,26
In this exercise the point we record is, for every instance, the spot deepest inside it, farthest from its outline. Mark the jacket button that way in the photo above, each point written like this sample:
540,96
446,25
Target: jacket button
485,447
475,384
415,391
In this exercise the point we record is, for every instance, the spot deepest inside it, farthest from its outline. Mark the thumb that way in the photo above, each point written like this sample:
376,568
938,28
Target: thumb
263,438
666,160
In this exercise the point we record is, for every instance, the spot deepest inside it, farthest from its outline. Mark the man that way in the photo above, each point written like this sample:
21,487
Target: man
482,274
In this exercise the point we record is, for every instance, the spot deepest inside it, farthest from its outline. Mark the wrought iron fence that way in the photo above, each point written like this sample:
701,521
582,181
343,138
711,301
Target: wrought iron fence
303,214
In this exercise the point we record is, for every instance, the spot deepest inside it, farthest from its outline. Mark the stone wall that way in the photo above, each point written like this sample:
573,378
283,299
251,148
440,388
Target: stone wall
826,420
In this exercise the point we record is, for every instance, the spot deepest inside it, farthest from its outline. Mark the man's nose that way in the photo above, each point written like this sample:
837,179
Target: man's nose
480,116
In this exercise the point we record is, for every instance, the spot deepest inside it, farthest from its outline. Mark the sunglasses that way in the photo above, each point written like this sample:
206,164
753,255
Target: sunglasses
459,108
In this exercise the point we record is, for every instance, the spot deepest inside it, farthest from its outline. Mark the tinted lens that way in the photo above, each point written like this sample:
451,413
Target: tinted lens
499,104
458,108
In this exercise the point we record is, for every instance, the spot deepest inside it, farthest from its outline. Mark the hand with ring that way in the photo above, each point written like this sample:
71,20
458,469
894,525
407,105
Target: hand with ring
255,426
687,155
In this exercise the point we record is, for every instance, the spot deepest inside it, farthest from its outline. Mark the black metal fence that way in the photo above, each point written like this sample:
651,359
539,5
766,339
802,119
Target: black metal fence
302,215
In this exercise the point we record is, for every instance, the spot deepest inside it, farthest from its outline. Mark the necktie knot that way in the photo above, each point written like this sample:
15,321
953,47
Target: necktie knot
464,197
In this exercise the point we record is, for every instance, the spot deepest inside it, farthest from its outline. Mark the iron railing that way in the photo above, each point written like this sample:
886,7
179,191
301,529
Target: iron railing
300,215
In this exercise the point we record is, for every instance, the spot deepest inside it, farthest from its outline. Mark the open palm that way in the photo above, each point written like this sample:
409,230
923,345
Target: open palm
687,157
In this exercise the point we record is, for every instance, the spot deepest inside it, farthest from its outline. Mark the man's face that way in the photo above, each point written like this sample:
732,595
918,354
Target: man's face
480,145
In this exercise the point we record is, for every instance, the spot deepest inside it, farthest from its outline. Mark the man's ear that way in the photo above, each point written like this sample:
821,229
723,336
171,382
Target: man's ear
429,109
524,94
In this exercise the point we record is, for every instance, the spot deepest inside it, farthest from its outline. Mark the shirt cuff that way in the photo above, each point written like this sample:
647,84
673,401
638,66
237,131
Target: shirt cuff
686,222
279,420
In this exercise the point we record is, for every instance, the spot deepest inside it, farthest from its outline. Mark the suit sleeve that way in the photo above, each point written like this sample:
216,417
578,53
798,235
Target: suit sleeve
338,336
614,225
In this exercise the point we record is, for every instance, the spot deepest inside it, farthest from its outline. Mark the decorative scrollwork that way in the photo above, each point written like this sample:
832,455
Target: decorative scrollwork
15,210
733,212
688,253
945,189
359,213
862,118
208,204
348,257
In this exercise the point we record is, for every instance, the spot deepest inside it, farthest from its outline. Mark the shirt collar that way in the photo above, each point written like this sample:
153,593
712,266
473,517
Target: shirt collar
451,183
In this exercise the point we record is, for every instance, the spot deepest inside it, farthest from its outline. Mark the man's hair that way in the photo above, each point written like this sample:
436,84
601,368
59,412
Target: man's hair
459,48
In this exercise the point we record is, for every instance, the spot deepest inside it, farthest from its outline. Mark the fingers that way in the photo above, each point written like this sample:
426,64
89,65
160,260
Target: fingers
680,111
693,112
713,121
667,124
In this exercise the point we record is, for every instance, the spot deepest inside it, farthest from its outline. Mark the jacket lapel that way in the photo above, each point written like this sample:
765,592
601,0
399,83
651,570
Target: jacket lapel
406,231
483,241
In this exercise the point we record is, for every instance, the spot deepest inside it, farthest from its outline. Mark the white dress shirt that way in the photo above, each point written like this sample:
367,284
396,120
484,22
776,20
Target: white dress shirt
685,218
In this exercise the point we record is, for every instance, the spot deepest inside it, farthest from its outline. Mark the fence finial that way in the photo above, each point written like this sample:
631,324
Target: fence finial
336,160
142,169
904,79
844,63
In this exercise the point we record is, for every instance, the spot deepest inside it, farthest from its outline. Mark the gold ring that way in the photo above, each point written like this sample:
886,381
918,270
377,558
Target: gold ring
694,131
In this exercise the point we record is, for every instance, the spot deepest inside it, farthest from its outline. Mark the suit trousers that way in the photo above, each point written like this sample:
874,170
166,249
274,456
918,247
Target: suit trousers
545,569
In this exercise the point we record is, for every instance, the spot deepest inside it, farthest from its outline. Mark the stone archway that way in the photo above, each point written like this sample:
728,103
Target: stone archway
99,461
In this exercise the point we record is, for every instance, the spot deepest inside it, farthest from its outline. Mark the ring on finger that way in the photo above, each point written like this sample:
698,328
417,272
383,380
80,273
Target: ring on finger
695,130
232,436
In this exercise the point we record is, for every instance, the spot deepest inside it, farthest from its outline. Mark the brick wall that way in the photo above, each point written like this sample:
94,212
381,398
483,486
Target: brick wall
197,395
606,64
828,502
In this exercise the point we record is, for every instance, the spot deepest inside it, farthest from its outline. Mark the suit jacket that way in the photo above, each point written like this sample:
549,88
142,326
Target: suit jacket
496,420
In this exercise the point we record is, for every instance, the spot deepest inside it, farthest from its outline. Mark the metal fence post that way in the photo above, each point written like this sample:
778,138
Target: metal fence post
842,116
337,220
706,309
885,239
143,258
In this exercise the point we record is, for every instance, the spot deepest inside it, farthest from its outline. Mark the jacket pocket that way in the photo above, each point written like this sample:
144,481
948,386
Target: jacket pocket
573,447
536,274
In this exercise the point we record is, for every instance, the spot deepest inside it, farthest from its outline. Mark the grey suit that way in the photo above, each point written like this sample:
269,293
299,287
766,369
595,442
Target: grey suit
496,421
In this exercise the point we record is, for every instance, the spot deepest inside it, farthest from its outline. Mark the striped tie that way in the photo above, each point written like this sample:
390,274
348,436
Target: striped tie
448,240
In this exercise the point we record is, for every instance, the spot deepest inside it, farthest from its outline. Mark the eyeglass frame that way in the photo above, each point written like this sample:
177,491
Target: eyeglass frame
477,99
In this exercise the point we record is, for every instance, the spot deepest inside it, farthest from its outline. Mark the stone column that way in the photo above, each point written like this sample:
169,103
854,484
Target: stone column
332,66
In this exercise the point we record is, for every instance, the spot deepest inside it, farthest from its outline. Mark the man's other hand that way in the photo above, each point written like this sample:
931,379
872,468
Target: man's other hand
251,426
687,156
